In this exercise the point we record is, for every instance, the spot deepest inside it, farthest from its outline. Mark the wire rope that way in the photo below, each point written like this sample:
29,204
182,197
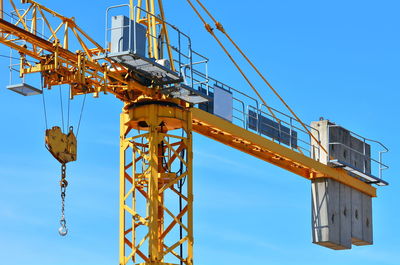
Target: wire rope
221,28
44,102
68,110
62,109
15,58
80,115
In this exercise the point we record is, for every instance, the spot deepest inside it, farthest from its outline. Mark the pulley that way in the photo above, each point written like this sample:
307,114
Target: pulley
62,146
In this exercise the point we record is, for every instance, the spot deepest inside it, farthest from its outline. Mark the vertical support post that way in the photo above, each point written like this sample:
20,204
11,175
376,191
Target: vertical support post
1,9
34,21
166,34
190,189
122,188
364,159
139,10
131,10
66,30
155,174
153,30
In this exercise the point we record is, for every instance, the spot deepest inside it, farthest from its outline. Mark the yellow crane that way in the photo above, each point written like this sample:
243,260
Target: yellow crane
150,65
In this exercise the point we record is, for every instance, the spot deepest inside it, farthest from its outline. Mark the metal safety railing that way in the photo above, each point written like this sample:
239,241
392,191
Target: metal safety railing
358,149
286,130
14,63
184,60
249,114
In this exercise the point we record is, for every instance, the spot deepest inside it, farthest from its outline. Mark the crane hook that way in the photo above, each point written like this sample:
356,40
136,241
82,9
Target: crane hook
63,230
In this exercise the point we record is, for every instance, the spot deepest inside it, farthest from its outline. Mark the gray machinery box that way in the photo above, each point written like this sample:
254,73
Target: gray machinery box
127,36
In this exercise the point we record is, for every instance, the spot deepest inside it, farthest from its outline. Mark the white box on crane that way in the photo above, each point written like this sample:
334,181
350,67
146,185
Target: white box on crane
223,103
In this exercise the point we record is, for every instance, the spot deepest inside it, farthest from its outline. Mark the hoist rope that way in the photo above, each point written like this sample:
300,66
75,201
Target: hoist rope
210,30
68,110
15,58
44,101
80,115
62,109
221,28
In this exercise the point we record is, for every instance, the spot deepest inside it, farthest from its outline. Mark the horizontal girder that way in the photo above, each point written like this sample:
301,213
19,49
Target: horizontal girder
229,134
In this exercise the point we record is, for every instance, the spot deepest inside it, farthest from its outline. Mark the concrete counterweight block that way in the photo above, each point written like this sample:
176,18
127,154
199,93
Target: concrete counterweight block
361,219
341,216
331,214
341,145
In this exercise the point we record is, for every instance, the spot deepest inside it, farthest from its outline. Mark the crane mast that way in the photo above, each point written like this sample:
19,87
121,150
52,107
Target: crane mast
156,132
156,173
157,121
155,168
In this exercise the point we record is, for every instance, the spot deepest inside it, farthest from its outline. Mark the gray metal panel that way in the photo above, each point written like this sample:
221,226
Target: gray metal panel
356,216
24,89
122,32
362,159
363,234
333,211
272,129
252,121
339,135
187,94
223,103
353,151
367,220
345,215
358,172
147,67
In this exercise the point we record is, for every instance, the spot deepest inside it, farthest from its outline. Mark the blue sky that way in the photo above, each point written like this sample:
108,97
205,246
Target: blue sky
336,59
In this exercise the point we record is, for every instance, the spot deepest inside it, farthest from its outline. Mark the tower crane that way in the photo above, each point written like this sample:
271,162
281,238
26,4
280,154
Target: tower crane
150,65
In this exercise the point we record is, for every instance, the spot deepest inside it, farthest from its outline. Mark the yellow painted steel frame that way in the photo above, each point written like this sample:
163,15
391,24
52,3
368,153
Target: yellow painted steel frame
232,135
156,173
57,63
152,20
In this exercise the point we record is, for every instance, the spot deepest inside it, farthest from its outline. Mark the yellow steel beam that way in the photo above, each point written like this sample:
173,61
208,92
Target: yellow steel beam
1,8
232,135
156,163
166,34
94,69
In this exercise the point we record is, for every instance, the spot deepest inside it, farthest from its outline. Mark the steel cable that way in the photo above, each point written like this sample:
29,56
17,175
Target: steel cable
62,109
44,101
80,115
221,28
